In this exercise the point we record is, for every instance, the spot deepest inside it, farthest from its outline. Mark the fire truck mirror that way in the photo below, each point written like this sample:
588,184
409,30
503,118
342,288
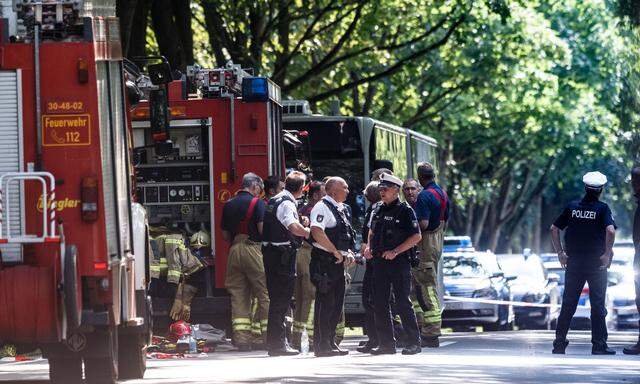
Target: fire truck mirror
159,114
160,73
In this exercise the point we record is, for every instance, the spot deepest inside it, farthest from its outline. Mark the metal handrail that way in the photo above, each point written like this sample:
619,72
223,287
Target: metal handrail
48,207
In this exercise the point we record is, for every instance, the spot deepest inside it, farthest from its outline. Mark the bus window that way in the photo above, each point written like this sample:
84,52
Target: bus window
391,146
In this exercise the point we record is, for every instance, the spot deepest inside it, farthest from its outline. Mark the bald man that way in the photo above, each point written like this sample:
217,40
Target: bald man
333,244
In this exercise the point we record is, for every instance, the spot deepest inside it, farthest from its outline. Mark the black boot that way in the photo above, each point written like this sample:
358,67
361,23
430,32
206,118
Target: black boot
430,342
602,351
633,350
389,350
412,350
366,348
559,347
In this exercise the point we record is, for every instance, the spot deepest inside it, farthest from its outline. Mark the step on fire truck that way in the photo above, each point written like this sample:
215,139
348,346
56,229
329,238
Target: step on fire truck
72,276
220,123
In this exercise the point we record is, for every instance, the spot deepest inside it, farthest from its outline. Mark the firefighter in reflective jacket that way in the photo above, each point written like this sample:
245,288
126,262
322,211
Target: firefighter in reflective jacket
172,259
432,211
394,234
333,244
242,219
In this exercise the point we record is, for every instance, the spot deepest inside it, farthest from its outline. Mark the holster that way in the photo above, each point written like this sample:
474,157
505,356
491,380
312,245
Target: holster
321,281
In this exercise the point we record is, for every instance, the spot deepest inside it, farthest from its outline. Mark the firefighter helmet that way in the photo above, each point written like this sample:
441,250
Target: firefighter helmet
200,239
179,329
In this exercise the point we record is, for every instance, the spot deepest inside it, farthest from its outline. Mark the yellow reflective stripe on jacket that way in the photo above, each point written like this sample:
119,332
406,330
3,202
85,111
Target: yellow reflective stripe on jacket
241,324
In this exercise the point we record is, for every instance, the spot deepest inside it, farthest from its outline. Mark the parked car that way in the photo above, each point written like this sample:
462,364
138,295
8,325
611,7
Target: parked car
476,275
624,304
533,284
457,243
582,317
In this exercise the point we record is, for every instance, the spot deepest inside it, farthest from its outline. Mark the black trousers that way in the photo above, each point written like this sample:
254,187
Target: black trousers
394,274
280,271
636,265
368,304
574,282
328,278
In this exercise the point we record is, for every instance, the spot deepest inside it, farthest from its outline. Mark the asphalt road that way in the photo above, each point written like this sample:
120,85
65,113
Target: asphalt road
479,358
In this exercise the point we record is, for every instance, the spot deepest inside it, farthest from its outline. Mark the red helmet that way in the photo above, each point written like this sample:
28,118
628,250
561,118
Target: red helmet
179,329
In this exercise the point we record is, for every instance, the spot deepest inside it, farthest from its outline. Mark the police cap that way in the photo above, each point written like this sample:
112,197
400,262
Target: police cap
594,179
387,180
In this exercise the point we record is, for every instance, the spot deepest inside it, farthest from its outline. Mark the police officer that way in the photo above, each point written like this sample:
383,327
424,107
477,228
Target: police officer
242,224
635,183
333,243
372,194
280,242
304,291
587,253
432,210
394,232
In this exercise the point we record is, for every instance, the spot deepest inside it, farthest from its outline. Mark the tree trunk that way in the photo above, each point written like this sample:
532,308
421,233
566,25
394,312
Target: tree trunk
167,33
537,225
183,16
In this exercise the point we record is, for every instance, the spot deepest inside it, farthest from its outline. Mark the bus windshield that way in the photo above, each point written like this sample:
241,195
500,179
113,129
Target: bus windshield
335,150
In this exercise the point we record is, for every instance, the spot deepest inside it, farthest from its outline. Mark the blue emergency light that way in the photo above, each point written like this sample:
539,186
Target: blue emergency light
259,89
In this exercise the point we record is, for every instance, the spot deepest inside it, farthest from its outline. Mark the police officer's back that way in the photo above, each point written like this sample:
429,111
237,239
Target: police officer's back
281,239
393,235
587,253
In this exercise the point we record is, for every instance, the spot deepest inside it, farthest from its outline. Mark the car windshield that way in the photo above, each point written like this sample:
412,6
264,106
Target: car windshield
529,269
463,267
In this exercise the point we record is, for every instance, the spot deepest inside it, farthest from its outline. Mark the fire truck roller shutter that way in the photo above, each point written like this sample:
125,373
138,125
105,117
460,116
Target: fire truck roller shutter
11,157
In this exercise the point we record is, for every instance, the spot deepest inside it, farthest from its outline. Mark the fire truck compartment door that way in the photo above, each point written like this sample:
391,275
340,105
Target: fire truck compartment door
11,157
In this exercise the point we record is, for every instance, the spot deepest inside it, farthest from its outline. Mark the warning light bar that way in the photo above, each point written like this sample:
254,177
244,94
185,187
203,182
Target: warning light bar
259,89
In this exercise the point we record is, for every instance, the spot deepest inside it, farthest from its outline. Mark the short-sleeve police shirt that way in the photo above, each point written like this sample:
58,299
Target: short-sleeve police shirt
235,210
585,222
287,213
406,225
322,217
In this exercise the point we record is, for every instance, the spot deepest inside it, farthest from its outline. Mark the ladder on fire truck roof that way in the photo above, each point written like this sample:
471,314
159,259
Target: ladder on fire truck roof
48,199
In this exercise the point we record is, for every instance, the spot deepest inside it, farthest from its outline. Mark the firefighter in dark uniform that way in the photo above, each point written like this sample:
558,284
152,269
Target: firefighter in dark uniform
280,241
587,253
333,244
635,183
393,235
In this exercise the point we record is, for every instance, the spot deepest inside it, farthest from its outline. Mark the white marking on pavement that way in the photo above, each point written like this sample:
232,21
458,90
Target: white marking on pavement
447,343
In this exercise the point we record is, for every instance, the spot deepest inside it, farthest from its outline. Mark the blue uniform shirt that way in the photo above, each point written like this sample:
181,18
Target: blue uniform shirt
428,206
585,222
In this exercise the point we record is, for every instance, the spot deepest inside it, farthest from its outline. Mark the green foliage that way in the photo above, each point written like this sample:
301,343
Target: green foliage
524,96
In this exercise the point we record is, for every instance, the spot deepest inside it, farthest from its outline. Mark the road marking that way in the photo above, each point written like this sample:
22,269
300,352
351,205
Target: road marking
38,360
446,343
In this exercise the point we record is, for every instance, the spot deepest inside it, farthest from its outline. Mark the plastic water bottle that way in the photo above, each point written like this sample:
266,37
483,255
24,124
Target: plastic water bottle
304,342
193,346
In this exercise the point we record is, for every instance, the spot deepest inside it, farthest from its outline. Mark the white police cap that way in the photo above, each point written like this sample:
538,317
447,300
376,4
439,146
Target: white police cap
594,179
390,180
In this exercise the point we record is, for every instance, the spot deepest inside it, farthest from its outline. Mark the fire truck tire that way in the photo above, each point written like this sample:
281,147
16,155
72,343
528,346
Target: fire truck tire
104,370
65,370
71,287
133,357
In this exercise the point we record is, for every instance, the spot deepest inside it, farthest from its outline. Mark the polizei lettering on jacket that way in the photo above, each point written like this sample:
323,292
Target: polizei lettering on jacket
577,213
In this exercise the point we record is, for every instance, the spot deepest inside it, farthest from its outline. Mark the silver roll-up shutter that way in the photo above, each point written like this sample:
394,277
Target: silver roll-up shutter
11,158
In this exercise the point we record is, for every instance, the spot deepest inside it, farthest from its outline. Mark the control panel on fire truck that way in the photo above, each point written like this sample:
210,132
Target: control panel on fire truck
174,187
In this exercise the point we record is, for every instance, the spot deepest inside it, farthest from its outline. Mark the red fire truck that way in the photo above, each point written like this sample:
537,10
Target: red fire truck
224,123
72,276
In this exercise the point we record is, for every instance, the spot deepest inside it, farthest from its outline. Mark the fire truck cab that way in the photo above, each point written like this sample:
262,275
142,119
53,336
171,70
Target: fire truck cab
223,123
72,240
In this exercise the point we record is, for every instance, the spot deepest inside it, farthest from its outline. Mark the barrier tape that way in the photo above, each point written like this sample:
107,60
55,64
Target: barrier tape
505,302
